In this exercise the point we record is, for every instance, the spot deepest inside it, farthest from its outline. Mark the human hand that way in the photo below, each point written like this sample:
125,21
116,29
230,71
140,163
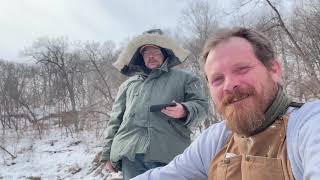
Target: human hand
109,167
177,111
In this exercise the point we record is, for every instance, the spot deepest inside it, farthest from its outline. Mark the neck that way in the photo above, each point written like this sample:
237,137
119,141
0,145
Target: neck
277,109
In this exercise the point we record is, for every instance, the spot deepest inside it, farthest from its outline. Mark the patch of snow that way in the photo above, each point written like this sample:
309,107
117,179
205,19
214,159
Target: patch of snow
53,157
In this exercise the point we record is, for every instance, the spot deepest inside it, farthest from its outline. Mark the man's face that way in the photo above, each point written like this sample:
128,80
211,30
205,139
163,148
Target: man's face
153,57
242,88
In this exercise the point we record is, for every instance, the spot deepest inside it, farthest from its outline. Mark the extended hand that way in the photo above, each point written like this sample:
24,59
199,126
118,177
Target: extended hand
109,167
177,111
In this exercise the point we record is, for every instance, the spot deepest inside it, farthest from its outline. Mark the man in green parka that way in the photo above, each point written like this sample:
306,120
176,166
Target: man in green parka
137,139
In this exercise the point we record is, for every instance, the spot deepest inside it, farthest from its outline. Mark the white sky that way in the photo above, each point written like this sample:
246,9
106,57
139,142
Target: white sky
23,21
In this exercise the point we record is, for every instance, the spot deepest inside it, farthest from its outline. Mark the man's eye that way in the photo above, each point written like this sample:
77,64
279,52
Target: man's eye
216,81
243,70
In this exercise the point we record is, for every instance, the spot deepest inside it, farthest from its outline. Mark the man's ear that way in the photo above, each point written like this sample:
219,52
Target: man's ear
275,70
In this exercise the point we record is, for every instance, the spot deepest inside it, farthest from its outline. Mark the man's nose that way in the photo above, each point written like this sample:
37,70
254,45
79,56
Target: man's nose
151,57
231,83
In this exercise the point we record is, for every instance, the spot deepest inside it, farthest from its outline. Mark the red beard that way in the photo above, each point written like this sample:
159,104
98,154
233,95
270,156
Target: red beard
243,110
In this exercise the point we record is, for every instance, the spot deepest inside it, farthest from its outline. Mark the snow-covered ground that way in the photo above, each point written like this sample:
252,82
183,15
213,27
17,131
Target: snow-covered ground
55,156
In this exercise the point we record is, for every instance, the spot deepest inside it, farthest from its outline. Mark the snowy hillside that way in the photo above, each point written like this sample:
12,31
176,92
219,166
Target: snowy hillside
54,157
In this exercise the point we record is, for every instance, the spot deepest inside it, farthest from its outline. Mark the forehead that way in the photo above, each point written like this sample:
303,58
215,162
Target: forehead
233,51
150,48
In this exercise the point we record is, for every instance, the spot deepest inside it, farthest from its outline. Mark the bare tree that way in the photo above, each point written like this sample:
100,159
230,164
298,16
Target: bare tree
54,53
198,22
100,55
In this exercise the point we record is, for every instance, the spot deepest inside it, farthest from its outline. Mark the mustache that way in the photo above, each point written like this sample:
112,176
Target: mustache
237,94
152,61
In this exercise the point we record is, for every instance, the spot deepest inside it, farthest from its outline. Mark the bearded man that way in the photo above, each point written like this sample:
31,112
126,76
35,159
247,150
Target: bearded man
265,135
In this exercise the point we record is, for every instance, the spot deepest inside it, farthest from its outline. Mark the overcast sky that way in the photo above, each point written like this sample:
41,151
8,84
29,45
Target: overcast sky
23,21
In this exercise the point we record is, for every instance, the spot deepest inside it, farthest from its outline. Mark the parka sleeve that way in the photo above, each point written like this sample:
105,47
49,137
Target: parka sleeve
118,109
195,101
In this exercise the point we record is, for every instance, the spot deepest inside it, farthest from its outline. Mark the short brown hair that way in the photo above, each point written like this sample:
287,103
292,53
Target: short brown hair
261,45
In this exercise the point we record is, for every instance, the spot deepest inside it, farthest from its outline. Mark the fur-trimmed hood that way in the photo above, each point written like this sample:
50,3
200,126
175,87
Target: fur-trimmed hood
130,60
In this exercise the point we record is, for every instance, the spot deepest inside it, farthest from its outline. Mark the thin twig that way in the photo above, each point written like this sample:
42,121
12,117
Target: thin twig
12,156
